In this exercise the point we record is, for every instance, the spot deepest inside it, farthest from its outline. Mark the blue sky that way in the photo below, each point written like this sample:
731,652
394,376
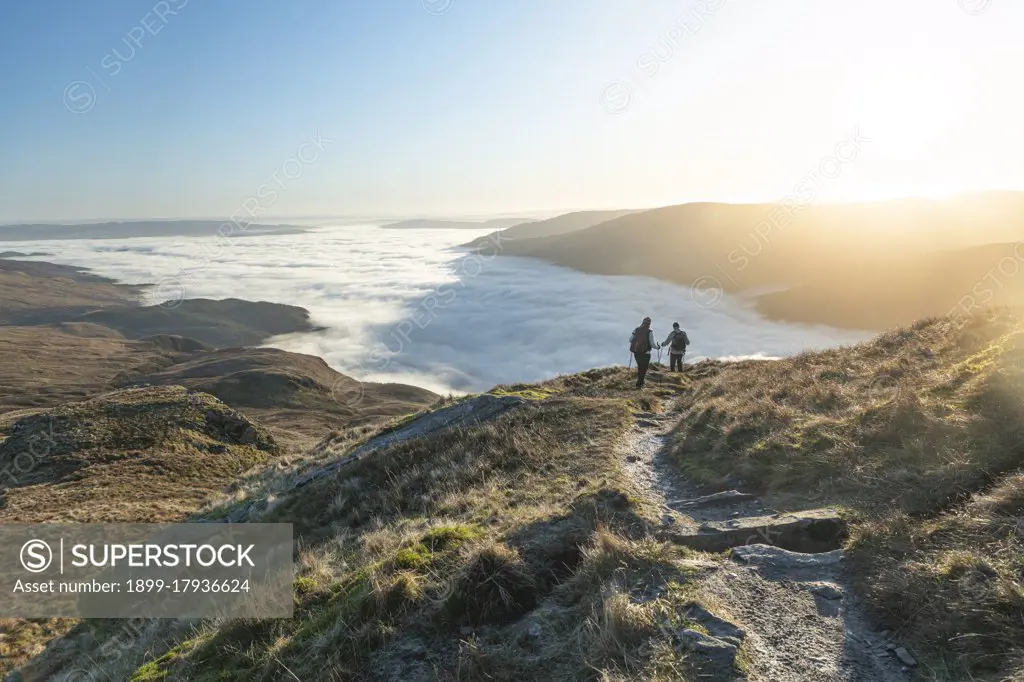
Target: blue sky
456,107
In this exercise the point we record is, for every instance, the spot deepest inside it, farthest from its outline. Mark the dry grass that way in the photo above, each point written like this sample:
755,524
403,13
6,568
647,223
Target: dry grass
530,459
21,639
918,434
41,375
509,550
954,583
495,586
516,549
912,419
138,455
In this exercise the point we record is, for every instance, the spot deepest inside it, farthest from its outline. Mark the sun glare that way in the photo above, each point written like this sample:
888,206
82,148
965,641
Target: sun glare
909,110
905,113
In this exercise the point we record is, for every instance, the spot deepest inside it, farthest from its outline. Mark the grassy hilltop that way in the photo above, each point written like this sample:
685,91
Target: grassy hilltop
523,548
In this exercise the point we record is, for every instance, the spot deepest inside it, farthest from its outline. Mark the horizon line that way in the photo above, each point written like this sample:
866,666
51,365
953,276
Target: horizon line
526,215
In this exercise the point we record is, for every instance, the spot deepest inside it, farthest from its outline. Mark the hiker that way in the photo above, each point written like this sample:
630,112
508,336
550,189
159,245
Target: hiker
641,343
677,341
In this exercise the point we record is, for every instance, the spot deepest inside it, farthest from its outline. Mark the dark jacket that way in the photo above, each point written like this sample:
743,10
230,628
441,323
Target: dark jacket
671,337
651,343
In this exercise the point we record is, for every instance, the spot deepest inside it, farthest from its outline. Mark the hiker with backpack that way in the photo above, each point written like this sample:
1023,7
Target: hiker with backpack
641,343
677,341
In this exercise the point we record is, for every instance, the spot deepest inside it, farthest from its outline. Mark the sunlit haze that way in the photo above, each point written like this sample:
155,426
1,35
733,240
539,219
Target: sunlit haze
460,108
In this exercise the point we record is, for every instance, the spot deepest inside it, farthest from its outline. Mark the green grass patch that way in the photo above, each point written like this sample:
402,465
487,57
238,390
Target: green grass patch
417,556
448,537
525,391
159,669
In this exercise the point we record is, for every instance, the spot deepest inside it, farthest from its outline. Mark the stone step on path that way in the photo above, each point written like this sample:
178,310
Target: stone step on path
818,530
768,555
727,506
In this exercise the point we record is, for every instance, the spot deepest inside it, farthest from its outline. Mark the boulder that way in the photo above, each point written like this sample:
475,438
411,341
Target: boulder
715,650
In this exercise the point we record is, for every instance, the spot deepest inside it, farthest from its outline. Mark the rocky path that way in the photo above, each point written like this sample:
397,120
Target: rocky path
783,599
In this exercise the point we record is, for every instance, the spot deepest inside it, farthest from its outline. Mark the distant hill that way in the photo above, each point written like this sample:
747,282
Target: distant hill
229,322
563,224
430,224
135,228
866,266
903,287
42,270
19,254
41,376
287,391
38,293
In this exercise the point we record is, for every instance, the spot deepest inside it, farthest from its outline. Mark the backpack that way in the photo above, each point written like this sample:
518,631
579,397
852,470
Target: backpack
680,341
641,341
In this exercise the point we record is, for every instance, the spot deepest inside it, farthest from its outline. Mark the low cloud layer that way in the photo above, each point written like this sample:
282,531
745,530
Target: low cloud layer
408,306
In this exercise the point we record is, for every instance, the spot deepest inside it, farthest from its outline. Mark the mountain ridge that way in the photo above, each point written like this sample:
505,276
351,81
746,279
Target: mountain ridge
877,264
560,224
433,224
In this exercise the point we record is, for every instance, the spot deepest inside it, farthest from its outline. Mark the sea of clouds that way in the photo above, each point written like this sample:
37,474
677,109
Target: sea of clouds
410,306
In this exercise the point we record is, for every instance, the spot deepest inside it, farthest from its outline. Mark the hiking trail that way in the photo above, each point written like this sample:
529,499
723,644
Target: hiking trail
783,601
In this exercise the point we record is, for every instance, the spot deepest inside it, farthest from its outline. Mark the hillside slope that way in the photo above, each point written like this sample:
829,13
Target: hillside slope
563,224
41,377
152,454
510,536
548,540
866,266
919,435
297,396
32,292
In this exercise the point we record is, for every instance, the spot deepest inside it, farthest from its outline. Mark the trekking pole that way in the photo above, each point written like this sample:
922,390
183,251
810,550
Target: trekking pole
630,365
